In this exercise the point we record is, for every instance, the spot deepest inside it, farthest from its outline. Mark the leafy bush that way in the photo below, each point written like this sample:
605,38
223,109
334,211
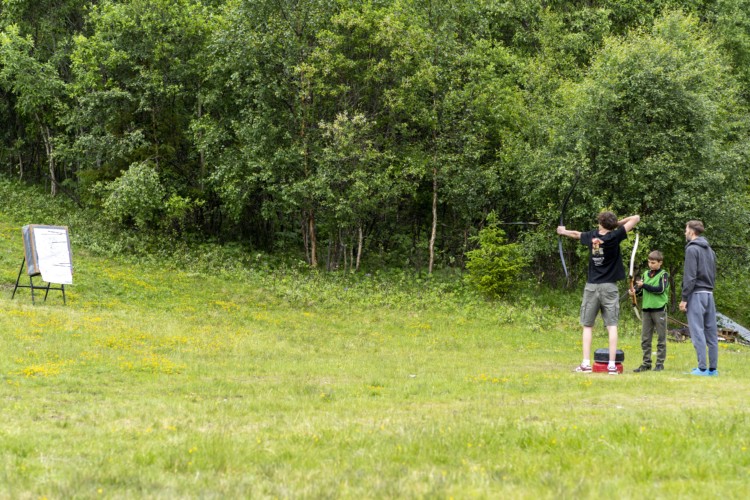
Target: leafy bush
496,266
136,196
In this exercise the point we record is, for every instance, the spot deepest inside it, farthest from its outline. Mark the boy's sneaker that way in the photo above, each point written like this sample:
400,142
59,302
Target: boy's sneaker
643,368
612,370
699,372
583,369
713,373
658,368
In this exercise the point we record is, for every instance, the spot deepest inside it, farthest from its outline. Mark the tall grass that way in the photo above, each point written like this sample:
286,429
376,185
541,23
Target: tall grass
167,381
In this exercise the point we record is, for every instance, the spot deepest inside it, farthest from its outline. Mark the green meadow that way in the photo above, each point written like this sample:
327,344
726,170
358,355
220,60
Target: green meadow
159,379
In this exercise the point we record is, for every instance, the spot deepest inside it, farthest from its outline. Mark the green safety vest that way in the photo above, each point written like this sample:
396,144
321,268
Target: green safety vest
653,300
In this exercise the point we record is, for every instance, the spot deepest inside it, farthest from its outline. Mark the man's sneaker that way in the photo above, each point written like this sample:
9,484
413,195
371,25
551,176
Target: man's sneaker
644,368
612,370
699,372
713,373
583,369
658,368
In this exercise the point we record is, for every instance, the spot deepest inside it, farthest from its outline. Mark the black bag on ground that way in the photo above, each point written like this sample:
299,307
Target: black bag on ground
602,356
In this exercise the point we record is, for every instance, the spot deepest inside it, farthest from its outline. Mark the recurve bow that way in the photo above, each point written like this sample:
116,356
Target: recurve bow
562,223
631,277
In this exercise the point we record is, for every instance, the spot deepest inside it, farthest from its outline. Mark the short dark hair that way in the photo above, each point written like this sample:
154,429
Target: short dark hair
656,255
608,220
696,226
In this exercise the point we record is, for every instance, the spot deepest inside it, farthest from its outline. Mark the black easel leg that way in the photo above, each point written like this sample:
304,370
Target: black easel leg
18,279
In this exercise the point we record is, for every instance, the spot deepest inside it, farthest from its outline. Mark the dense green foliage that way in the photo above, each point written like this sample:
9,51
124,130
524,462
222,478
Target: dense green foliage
370,133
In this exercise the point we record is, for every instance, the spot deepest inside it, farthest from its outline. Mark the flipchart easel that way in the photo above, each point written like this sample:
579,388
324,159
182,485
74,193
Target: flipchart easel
47,254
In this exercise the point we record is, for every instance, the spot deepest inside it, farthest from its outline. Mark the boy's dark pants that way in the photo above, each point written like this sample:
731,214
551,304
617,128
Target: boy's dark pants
654,320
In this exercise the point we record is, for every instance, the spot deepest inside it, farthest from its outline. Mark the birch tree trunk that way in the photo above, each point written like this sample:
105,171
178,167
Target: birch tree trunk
305,235
47,136
433,236
359,246
313,239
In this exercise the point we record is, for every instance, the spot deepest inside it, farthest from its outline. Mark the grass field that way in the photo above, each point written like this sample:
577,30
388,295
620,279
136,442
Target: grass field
171,383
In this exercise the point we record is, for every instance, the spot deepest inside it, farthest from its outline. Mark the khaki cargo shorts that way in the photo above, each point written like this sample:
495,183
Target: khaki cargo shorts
604,297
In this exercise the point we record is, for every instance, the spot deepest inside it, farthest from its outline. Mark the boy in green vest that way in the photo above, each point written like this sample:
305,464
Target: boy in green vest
654,286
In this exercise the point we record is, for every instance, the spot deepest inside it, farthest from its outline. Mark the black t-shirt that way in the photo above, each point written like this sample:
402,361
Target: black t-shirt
605,262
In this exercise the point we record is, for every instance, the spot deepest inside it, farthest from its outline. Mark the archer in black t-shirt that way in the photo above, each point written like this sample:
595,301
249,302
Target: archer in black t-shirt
605,257
604,271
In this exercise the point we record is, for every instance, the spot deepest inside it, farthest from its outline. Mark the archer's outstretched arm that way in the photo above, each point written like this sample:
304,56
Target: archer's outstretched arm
576,235
629,222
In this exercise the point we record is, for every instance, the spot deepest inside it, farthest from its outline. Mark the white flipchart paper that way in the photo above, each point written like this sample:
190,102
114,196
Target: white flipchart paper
52,249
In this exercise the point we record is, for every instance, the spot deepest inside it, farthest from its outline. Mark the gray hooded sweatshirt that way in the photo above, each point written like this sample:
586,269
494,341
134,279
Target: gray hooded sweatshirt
700,268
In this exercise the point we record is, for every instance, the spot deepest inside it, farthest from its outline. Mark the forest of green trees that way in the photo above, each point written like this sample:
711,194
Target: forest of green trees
355,130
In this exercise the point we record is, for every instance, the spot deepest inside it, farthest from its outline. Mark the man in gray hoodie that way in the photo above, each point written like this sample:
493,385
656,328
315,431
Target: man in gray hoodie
698,278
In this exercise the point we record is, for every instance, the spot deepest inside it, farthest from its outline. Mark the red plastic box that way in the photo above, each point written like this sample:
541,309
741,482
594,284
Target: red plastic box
602,367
